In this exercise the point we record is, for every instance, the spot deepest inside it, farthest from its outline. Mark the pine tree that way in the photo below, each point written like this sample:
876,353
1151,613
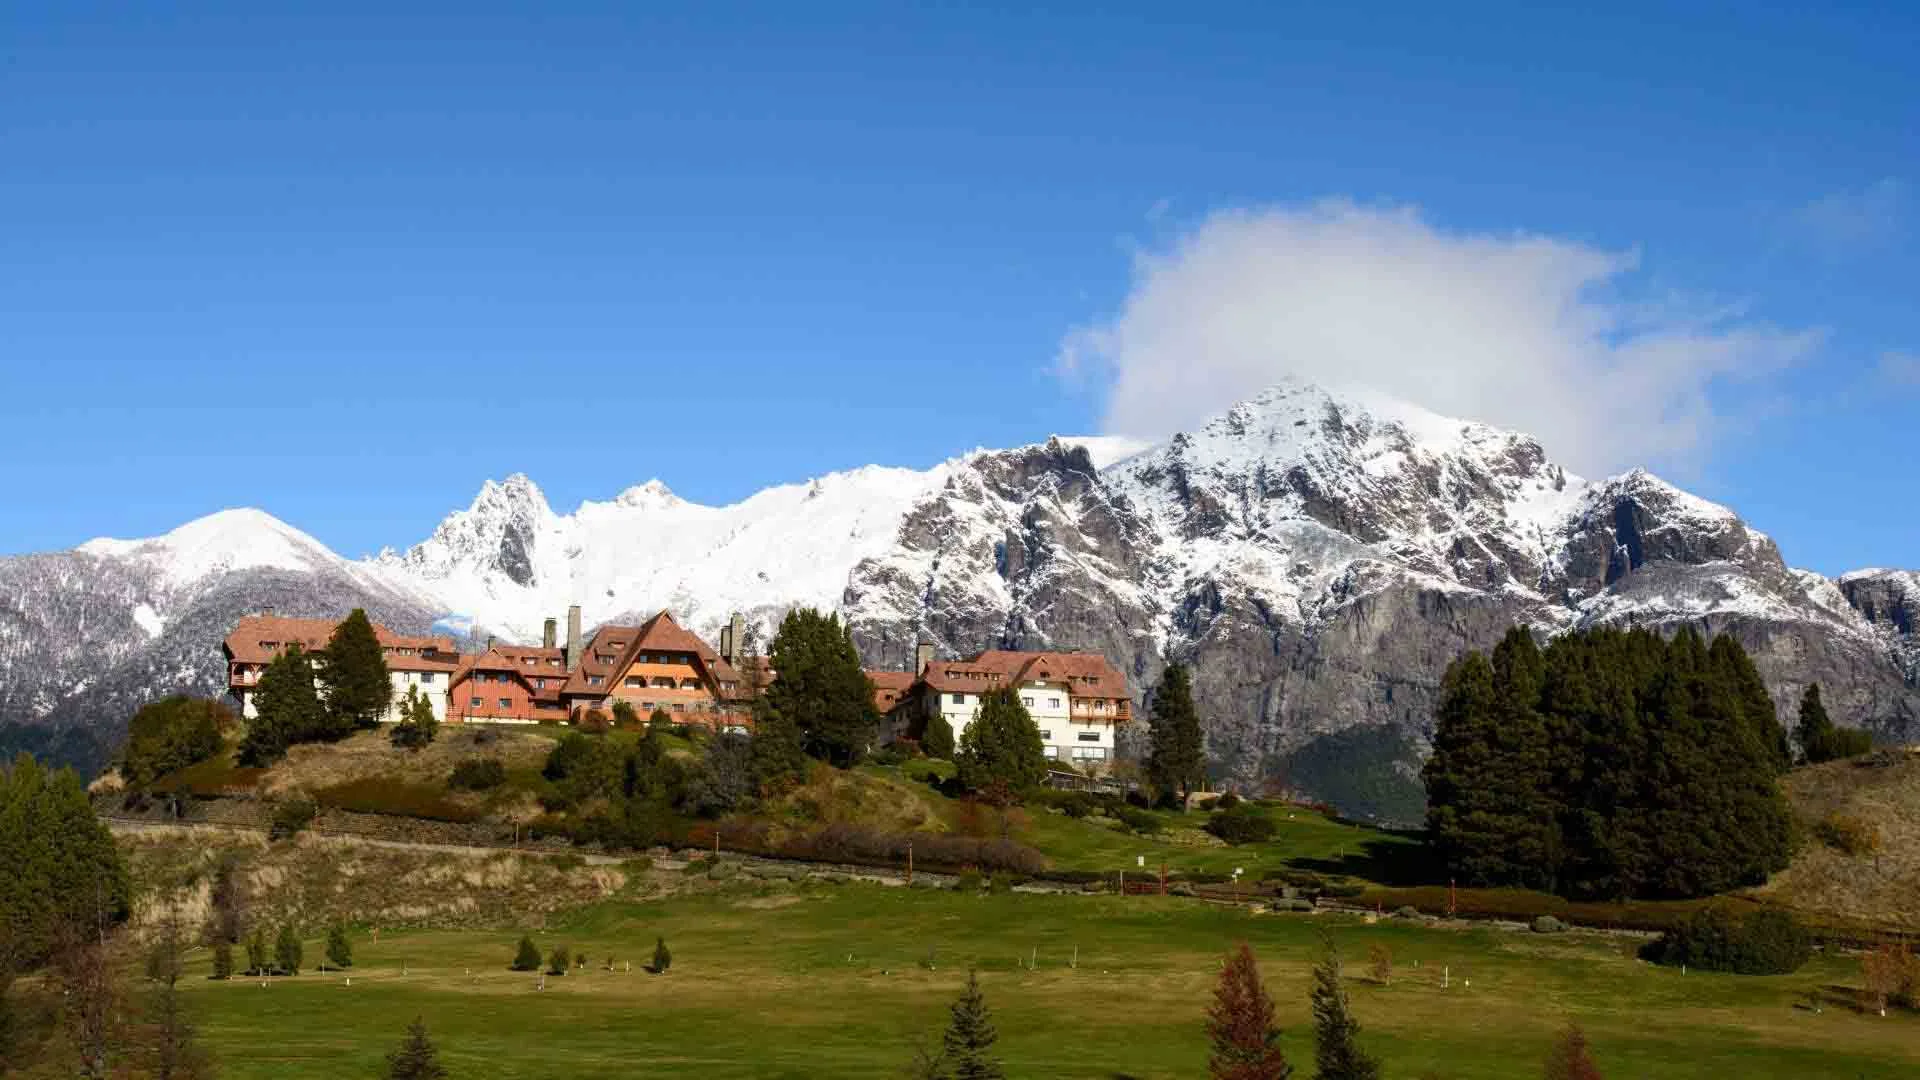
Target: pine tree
662,959
821,687
528,956
559,960
287,709
416,1058
222,959
1571,1058
59,866
1820,740
1336,1051
1240,1024
174,1052
287,952
339,949
1001,747
418,725
1177,759
970,1037
257,952
937,738
359,687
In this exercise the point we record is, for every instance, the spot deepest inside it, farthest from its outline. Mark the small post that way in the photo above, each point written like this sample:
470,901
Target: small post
1075,964
909,862
1446,976
1033,959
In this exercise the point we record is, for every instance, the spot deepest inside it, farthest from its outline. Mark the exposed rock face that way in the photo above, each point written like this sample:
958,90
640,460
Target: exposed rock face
1318,558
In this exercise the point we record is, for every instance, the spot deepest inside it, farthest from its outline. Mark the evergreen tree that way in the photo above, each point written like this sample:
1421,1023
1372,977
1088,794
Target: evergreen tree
257,952
662,958
1001,746
1336,1051
418,725
171,734
222,959
359,687
559,960
1733,666
59,866
1571,1058
172,1049
970,1037
416,1058
1820,739
659,722
1177,758
287,952
287,709
937,738
1240,1024
528,956
779,758
339,949
821,687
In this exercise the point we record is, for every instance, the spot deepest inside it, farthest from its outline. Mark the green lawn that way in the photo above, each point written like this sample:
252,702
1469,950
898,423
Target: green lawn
829,981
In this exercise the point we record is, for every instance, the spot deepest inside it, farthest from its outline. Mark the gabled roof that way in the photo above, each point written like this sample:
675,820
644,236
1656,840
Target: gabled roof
244,644
658,634
889,687
1005,667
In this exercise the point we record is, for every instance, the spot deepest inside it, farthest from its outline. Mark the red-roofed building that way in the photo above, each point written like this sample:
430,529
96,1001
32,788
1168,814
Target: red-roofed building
1078,700
658,665
426,663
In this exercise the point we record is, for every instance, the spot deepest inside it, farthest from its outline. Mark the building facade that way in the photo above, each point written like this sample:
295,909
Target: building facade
427,663
1077,700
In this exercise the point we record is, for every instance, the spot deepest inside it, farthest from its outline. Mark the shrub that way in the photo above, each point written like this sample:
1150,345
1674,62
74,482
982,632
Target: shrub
1766,942
969,881
1139,821
171,734
1000,883
395,798
558,961
1847,834
528,958
662,959
478,774
291,817
223,959
1241,825
1226,801
1547,924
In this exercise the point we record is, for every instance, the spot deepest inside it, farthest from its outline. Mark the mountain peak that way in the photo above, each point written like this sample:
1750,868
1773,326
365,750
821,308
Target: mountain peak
242,538
652,494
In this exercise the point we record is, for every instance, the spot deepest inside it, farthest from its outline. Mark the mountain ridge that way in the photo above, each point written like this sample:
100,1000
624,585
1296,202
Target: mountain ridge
1318,555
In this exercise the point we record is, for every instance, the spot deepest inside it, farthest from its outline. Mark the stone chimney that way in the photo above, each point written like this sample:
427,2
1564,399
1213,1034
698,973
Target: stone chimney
489,642
922,656
736,635
573,637
547,638
726,643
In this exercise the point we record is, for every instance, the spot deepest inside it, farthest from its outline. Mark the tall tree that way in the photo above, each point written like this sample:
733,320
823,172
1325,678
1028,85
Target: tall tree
287,953
415,1059
821,687
1336,1048
1240,1024
170,734
970,1037
937,737
339,949
359,686
1177,758
286,707
778,756
1571,1058
1002,746
59,866
1820,740
172,1047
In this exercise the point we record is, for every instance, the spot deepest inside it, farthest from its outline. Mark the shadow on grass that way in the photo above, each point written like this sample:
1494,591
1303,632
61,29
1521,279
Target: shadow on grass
1394,863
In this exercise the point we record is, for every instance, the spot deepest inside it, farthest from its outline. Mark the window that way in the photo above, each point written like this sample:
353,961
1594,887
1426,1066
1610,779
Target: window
1053,703
1053,752
679,706
636,682
539,684
1046,736
506,703
553,661
594,680
473,703
527,660
1089,753
1089,736
1027,701
426,678
959,699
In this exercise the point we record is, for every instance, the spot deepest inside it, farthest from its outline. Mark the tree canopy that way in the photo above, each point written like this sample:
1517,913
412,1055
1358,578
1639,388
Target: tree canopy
1001,746
821,688
1613,764
1177,760
1241,1026
286,707
62,869
171,734
1819,739
359,687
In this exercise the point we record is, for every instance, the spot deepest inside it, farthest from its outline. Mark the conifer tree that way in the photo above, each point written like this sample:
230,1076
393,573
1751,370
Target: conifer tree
359,687
528,956
970,1037
1176,761
1001,746
1240,1024
937,738
287,952
1336,1049
418,725
416,1058
821,688
1571,1058
778,757
222,959
1820,740
662,958
287,709
257,952
59,866
339,949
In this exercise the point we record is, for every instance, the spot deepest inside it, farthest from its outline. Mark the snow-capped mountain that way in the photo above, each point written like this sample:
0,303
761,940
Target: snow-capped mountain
1317,556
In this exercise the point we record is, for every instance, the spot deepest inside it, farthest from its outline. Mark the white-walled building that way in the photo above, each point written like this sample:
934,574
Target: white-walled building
1077,700
424,662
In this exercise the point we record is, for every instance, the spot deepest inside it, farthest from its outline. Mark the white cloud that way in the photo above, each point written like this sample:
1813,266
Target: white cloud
1901,369
1525,331
1846,222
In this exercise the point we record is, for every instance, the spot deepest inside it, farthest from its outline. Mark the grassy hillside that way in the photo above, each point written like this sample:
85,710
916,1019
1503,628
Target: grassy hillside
772,980
1882,887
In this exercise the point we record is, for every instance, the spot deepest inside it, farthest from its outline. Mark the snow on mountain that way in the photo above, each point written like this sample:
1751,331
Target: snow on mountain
242,539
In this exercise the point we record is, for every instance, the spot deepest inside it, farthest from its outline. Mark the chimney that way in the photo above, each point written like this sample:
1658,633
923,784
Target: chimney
922,656
489,642
573,637
736,638
726,643
547,638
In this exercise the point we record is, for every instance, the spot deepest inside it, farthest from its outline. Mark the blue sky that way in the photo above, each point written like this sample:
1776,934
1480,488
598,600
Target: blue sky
346,265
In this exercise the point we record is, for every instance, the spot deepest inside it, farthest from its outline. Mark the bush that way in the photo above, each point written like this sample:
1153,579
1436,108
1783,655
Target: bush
969,881
291,817
1000,884
1547,924
1226,801
1241,825
1847,834
171,734
662,959
1766,942
478,774
1139,821
559,960
528,958
396,798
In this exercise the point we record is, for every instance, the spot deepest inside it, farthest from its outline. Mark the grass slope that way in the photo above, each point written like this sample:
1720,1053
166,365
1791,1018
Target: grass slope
828,981
1881,888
